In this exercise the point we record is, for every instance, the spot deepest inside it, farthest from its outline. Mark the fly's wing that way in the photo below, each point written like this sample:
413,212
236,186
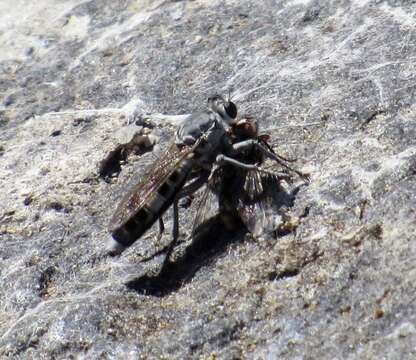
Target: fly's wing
154,176
206,204
259,199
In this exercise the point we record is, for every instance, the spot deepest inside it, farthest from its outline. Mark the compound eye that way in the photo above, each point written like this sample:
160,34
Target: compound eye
215,98
231,110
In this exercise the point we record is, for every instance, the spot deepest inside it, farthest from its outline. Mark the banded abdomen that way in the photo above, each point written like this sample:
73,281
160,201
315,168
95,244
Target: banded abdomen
151,197
152,209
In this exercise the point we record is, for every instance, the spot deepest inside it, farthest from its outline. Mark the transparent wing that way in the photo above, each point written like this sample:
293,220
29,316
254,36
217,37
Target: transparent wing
259,199
206,206
154,176
263,212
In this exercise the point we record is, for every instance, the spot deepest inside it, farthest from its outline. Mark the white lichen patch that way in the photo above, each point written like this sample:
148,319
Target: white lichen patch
27,24
76,27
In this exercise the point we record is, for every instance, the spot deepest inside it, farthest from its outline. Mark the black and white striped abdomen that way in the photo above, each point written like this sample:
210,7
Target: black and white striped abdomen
153,208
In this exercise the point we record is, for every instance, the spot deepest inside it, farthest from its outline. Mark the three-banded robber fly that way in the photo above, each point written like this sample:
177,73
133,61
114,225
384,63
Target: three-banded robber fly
203,141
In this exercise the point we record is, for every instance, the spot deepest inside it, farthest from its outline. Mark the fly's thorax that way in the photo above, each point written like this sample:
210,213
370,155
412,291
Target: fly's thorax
210,125
206,133
224,107
209,147
193,127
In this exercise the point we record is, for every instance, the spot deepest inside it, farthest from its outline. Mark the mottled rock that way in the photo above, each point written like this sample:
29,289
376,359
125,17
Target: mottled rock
331,81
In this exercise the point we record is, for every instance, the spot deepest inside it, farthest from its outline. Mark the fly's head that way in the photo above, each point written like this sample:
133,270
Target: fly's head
246,128
223,107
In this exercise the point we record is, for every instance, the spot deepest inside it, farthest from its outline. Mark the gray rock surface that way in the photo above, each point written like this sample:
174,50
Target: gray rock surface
332,81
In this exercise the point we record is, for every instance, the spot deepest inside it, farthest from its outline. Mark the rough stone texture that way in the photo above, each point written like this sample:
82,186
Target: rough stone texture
333,81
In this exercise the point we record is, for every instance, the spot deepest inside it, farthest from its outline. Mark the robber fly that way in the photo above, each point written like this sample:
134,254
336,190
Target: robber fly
203,141
198,141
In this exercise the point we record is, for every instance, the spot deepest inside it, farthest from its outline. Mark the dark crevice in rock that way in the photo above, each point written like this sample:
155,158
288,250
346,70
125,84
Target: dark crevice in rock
56,133
56,205
280,232
45,281
312,13
28,200
306,212
111,165
371,117
144,121
287,273
84,121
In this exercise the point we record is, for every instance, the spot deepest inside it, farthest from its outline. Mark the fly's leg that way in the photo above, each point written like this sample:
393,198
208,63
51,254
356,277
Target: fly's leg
195,185
175,231
222,159
161,229
185,195
186,191
249,144
175,235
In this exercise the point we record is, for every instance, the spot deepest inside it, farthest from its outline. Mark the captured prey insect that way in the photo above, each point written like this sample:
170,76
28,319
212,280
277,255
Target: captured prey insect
249,192
205,145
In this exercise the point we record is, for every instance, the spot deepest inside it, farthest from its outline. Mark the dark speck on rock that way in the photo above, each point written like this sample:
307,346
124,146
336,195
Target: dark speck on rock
28,200
56,133
57,206
29,51
9,100
311,14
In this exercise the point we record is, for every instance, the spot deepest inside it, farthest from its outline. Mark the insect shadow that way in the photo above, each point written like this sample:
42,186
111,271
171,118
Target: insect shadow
211,239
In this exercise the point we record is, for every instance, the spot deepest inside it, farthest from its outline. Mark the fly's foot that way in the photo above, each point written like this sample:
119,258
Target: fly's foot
114,248
186,201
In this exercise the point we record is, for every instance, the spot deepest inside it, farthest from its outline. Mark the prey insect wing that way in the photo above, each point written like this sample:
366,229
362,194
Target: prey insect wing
247,193
260,212
255,196
207,207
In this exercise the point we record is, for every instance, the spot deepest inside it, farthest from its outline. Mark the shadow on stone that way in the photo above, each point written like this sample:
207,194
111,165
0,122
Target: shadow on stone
110,166
211,240
213,236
